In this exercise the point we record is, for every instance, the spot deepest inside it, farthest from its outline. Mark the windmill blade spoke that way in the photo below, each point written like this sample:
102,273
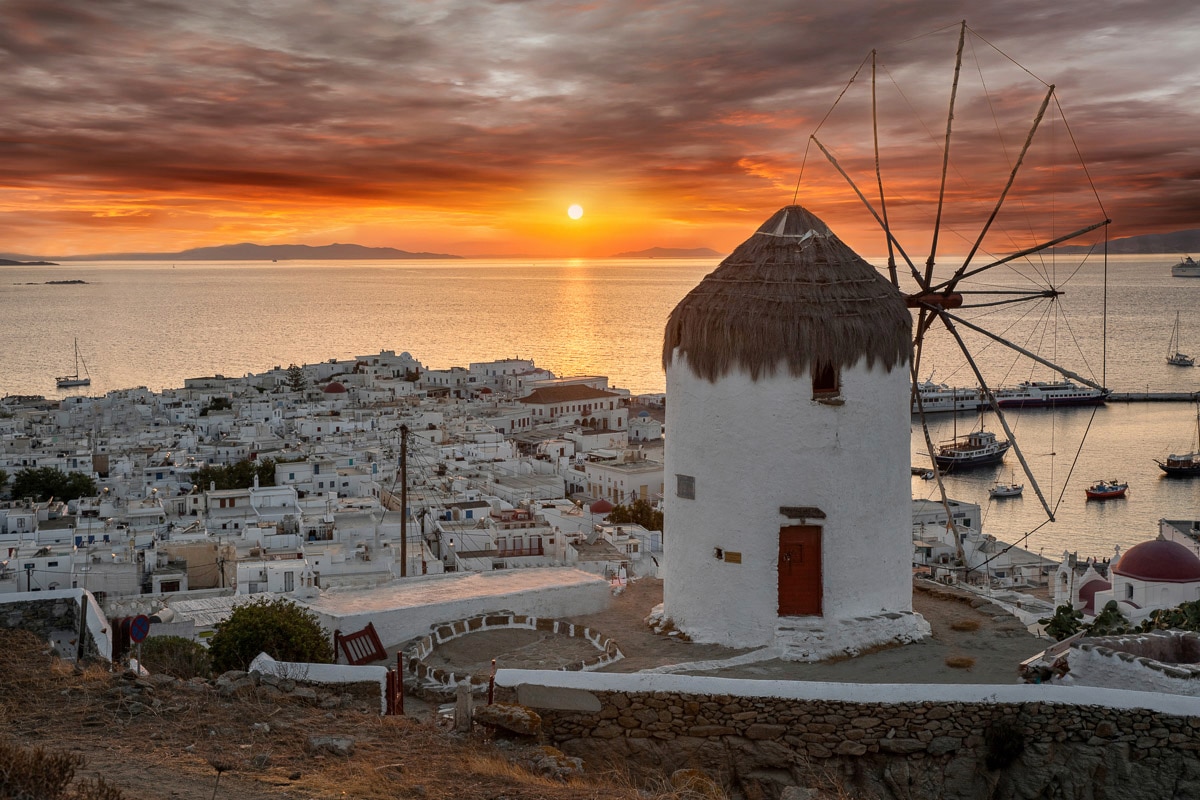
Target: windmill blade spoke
1022,253
1012,176
947,316
887,231
937,223
879,180
987,392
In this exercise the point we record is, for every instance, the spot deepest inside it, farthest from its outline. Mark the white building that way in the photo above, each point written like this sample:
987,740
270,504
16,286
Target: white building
787,507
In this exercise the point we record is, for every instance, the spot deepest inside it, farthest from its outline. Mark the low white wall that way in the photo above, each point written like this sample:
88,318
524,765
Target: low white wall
1098,666
324,673
414,606
854,692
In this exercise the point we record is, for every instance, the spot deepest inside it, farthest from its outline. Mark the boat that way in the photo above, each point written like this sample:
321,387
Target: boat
1106,490
1186,465
64,381
1034,394
976,449
1175,357
1186,268
1006,490
937,397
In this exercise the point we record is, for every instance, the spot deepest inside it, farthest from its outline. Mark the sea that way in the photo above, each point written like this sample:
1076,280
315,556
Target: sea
154,324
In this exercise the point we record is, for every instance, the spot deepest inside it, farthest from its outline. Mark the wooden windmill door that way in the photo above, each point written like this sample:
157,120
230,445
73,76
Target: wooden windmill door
800,571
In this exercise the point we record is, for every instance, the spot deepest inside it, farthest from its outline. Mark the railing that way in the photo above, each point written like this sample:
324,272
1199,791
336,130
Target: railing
511,552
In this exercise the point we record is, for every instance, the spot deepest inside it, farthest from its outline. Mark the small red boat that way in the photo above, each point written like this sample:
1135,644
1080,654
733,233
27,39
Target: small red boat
1107,490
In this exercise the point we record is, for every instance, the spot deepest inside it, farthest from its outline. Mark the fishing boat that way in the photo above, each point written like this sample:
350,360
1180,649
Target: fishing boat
1034,394
1186,268
1175,357
932,398
1106,490
976,449
75,379
1186,465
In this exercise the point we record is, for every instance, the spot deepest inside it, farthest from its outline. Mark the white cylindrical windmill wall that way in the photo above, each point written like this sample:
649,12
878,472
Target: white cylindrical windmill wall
756,452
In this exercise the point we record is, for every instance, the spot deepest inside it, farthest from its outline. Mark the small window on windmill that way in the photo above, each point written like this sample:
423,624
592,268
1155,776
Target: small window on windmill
825,382
685,487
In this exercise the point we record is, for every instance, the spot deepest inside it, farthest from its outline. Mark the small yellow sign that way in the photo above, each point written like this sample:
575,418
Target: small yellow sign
733,558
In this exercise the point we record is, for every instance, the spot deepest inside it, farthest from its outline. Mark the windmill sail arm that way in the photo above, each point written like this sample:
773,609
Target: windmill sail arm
946,319
1027,353
1029,251
871,208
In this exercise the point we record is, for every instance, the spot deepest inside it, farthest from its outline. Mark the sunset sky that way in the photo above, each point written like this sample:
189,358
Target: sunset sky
466,127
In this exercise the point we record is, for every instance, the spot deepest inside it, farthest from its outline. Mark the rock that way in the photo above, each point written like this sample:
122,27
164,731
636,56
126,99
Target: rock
510,717
799,793
850,748
554,763
337,745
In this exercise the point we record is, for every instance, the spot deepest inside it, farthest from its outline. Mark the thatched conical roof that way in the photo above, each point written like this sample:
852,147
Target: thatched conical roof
791,295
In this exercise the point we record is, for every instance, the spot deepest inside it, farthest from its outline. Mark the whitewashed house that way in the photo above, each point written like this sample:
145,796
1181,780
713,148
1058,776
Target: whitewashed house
787,450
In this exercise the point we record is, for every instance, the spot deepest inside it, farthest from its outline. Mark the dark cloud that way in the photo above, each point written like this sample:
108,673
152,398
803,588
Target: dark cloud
693,103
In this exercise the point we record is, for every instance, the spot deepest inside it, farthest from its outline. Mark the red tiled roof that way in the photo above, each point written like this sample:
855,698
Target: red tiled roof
566,394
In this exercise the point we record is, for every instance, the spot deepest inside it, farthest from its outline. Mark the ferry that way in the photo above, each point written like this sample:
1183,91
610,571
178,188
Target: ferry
1033,394
938,397
1186,268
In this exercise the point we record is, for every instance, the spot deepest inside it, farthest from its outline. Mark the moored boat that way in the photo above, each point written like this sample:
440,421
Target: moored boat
1186,268
1106,490
64,381
1174,357
1006,490
976,449
1034,394
1186,465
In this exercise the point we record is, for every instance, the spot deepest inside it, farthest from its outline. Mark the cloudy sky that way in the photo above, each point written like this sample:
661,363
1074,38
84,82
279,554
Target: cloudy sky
470,127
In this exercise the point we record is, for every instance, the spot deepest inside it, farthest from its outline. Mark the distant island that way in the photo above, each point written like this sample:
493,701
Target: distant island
6,262
264,252
670,252
1148,244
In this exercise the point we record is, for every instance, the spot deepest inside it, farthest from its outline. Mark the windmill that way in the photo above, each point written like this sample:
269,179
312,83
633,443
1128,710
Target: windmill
1004,280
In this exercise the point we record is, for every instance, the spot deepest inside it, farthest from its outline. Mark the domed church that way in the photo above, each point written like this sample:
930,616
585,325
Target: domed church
788,503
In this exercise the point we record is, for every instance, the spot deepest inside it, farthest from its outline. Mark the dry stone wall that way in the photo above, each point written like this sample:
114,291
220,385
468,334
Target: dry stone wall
757,746
54,620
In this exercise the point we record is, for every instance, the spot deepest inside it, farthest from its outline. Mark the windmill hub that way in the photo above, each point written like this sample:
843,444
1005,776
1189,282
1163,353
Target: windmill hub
942,300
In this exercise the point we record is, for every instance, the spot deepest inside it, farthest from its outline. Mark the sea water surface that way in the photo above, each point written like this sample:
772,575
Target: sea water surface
154,324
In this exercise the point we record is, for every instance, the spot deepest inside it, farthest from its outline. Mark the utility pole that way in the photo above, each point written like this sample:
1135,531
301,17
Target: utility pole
403,501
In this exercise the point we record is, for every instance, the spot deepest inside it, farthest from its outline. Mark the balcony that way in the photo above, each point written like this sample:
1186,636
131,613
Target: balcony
514,552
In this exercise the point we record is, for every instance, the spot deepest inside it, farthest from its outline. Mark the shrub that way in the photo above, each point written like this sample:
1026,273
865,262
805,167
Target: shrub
32,772
960,662
1066,622
964,625
176,656
278,627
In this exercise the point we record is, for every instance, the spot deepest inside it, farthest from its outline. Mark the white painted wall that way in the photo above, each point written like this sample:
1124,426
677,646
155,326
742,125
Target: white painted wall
411,607
754,446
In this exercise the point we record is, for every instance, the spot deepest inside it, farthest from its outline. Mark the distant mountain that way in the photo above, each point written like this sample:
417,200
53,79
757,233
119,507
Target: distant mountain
264,252
1151,243
670,252
8,262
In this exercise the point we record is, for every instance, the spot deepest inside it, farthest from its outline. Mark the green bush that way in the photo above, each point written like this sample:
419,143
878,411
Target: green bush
176,656
278,627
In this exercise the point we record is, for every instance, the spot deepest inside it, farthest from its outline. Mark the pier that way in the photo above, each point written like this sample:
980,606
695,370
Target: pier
1154,397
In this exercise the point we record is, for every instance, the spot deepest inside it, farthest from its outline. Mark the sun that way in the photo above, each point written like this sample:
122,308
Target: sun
575,211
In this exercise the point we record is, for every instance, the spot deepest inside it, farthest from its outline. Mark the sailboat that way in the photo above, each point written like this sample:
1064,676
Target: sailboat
1186,465
1175,357
1010,489
75,379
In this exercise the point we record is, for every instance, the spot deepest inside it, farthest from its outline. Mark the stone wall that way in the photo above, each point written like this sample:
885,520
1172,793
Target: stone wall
55,618
1162,661
1098,745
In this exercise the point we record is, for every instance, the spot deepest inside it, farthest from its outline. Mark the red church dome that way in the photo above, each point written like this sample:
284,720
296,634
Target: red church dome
601,506
1161,561
333,387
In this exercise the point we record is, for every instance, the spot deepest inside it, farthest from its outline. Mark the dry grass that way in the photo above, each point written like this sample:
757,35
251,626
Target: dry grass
964,625
185,737
960,662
